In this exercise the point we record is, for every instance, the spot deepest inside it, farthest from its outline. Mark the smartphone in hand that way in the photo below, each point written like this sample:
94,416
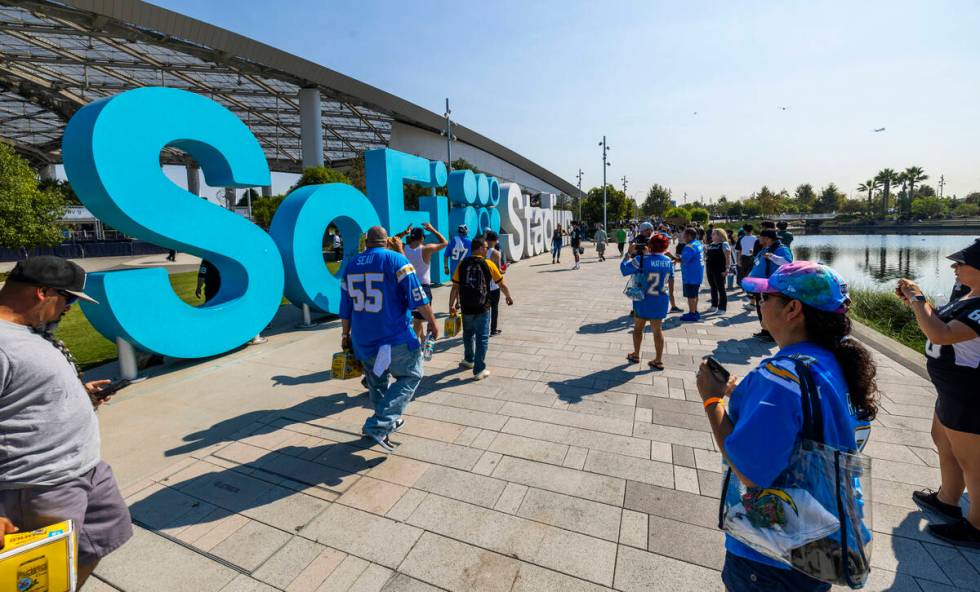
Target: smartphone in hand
112,388
717,370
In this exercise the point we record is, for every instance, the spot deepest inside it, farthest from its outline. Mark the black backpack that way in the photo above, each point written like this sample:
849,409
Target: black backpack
474,286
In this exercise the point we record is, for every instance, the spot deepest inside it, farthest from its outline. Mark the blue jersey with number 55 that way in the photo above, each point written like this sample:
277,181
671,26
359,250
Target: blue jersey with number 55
378,292
654,274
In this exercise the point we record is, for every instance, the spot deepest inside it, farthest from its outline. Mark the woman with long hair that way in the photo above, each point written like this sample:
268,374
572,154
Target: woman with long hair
717,261
557,238
652,270
953,351
804,306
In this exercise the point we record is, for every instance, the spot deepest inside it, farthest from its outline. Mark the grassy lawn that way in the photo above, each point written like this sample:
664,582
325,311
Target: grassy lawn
884,312
90,348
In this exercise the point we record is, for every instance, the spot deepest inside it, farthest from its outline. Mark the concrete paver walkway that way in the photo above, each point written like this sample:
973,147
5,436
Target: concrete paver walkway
567,470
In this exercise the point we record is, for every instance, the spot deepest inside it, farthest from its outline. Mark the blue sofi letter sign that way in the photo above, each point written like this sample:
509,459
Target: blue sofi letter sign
111,152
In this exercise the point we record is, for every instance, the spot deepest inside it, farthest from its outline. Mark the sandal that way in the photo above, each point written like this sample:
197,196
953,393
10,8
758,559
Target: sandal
633,358
656,364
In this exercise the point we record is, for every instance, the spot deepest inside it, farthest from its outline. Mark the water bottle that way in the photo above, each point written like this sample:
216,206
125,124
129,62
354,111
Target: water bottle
430,345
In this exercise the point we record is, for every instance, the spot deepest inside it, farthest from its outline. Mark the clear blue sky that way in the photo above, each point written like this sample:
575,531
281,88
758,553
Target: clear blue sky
549,78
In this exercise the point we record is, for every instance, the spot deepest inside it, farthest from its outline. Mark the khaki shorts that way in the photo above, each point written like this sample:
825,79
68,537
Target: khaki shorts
92,501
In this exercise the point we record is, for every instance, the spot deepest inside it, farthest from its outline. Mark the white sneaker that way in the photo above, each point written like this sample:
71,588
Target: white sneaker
711,310
482,375
466,364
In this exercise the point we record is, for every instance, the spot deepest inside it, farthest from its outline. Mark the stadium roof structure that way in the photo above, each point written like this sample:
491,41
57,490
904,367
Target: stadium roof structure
56,57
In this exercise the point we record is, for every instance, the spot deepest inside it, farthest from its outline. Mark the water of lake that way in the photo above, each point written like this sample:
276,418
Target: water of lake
880,260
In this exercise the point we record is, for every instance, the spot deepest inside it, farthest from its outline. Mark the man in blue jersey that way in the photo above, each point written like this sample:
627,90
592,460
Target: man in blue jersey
770,256
379,289
692,272
459,249
652,272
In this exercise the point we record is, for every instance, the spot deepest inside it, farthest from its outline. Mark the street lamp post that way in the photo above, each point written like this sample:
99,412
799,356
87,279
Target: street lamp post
579,198
605,163
449,137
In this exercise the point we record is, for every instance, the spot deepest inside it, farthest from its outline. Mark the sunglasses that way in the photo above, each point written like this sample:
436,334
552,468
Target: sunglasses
767,295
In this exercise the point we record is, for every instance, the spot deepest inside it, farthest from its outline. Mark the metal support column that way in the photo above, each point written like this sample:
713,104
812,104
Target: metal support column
194,179
311,127
267,191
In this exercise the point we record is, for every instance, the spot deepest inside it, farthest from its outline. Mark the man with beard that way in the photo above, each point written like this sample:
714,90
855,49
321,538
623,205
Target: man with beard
50,459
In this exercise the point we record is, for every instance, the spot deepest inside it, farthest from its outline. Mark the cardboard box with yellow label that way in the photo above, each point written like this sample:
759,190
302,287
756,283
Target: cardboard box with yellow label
42,560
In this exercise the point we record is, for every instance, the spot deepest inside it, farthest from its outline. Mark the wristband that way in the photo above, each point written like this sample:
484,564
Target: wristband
711,401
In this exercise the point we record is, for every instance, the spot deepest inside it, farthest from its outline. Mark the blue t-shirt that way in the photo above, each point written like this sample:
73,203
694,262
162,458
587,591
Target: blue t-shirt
759,268
459,249
692,262
378,292
654,275
767,414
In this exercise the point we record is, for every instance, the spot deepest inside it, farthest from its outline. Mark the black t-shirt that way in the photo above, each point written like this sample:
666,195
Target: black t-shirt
556,235
714,256
955,369
577,236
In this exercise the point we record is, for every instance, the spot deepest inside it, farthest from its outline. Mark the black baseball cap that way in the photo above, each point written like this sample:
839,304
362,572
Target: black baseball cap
769,233
969,256
48,271
417,234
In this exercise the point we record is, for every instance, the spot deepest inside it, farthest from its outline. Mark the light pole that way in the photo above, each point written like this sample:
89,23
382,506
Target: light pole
579,198
449,137
605,163
623,179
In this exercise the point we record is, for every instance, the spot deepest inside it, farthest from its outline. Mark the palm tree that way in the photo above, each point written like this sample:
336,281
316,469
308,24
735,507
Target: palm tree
913,175
887,178
871,185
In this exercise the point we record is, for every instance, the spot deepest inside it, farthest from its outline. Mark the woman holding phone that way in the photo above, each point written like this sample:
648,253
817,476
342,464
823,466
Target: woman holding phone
804,306
953,362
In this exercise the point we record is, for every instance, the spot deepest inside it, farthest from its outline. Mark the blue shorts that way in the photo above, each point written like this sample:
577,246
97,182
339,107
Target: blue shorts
652,308
691,290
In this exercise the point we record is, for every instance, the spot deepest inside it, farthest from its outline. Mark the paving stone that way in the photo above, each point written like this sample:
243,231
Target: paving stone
397,469
669,503
467,436
956,567
127,568
510,500
283,567
689,543
344,576
418,425
439,453
487,463
466,417
897,452
402,583
457,566
317,571
571,513
406,505
643,415
460,485
372,579
682,455
251,545
579,437
710,483
569,418
681,420
529,448
358,533
483,439
599,488
564,551
708,460
373,495
242,583
673,435
915,474
640,571
633,529
686,479
464,401
628,467
575,459
285,509
903,555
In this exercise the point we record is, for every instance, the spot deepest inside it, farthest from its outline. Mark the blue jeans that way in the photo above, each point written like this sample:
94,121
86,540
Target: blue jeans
744,575
476,332
556,249
390,400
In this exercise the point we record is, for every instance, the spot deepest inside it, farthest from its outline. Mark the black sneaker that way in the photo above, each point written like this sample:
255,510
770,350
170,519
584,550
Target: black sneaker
384,442
928,501
960,533
398,424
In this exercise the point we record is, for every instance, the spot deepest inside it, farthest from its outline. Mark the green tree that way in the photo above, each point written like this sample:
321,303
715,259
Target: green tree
928,207
699,215
911,177
768,201
805,197
320,175
972,197
28,216
887,178
967,210
62,187
678,215
656,202
264,208
871,185
618,207
751,208
243,200
830,199
852,206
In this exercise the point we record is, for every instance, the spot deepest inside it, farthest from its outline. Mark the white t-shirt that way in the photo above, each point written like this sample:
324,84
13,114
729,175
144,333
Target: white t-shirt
746,244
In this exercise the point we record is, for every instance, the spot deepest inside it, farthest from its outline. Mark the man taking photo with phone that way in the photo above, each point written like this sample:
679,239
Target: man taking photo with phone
50,459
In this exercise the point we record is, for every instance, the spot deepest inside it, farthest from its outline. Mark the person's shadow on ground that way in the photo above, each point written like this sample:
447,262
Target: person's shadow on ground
227,430
252,485
574,390
611,326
